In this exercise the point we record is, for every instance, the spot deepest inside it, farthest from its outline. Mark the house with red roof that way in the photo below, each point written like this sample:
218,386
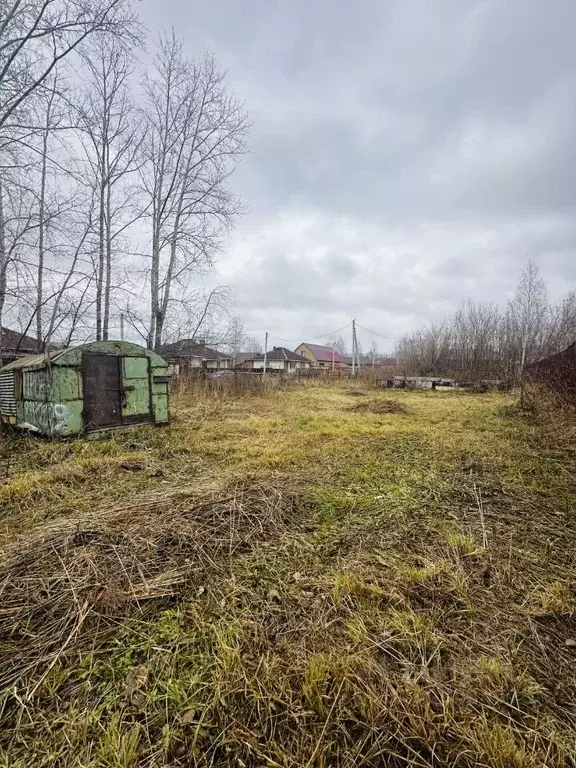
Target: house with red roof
321,356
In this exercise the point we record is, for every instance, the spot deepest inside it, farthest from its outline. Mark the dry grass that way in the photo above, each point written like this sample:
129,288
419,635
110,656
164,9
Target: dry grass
379,406
66,581
285,582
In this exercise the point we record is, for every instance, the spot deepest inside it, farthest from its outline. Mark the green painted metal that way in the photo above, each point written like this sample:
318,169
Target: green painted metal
51,419
160,408
135,367
49,384
159,394
136,387
51,399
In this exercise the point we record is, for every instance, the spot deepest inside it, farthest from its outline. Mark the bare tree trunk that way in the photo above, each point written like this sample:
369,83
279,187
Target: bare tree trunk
100,268
195,134
42,214
154,284
64,285
3,262
163,309
108,266
112,149
41,228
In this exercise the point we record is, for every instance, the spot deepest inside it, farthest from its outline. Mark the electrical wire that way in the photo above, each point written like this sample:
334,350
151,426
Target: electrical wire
301,341
382,336
322,335
314,338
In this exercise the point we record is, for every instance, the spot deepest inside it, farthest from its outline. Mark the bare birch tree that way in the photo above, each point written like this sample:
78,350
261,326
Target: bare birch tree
66,242
483,340
527,313
111,141
234,335
3,261
49,115
18,225
35,35
195,134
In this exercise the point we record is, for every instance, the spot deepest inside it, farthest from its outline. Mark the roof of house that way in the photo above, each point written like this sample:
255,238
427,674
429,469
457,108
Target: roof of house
566,355
192,348
324,354
281,353
16,341
241,357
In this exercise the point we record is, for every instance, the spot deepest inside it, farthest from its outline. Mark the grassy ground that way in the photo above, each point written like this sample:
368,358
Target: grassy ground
318,577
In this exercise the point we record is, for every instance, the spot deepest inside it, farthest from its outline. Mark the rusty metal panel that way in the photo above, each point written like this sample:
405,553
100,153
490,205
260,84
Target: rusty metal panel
101,378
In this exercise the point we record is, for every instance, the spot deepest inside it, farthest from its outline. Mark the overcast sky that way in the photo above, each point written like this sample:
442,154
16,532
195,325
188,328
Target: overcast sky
405,154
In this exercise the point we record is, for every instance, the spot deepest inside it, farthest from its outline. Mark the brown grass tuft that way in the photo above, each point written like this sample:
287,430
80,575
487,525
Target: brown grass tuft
379,406
70,582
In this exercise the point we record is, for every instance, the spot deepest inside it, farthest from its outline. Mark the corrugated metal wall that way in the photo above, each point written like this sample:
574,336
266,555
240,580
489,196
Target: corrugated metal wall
7,401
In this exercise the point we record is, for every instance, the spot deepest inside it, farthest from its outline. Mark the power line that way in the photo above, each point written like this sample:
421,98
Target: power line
302,341
323,335
382,336
330,333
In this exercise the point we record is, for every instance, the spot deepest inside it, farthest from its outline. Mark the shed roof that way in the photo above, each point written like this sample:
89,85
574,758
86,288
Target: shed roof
325,354
34,361
66,356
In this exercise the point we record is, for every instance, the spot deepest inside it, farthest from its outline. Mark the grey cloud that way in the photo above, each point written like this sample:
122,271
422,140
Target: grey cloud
429,147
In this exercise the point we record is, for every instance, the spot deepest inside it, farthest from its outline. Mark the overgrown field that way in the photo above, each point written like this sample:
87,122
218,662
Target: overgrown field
318,577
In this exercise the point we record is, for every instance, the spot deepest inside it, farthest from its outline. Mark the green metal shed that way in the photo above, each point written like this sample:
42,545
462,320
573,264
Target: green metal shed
98,386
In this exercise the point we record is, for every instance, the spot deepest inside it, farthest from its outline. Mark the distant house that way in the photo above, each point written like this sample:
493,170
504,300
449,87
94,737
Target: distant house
243,360
280,359
15,344
193,354
322,357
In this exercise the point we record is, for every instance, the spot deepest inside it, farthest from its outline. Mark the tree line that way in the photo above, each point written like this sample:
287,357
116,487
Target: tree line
114,174
489,341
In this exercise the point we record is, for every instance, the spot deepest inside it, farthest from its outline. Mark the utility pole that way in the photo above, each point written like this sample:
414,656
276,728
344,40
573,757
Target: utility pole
121,326
333,355
265,352
354,347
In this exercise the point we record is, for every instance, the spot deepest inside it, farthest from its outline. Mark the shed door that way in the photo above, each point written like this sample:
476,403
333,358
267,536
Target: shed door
136,390
102,395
